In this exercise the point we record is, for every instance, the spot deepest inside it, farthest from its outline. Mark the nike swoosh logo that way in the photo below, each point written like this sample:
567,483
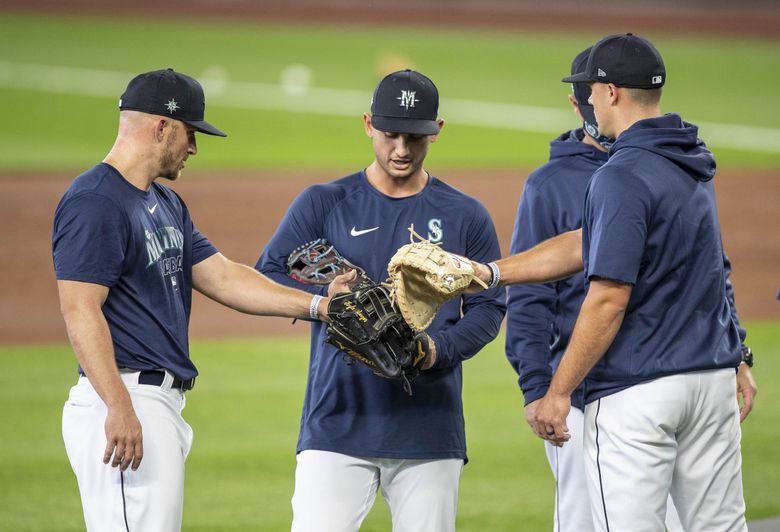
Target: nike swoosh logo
355,232
151,211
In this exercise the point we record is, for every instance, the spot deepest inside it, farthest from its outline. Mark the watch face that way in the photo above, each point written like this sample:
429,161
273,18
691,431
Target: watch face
747,356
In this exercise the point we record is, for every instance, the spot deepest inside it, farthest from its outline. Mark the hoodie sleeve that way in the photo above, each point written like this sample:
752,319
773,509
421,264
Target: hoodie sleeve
531,308
615,226
730,297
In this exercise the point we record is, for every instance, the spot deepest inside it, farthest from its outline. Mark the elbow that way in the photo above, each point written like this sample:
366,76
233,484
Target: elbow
610,297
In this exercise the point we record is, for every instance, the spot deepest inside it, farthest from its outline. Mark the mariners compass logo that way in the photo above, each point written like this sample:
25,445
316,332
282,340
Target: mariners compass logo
172,105
407,99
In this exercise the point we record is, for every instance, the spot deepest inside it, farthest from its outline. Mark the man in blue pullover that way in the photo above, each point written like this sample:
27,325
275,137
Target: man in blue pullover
360,433
655,335
540,317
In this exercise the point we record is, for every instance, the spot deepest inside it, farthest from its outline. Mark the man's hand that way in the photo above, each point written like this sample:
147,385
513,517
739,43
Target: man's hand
530,413
124,438
746,389
430,360
341,282
481,272
549,418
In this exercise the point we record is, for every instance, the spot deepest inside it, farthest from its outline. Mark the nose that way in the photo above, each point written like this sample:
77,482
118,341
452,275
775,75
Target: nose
192,147
590,99
402,145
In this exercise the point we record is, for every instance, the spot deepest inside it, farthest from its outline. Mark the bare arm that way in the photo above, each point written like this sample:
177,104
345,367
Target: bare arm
557,258
90,337
245,289
597,325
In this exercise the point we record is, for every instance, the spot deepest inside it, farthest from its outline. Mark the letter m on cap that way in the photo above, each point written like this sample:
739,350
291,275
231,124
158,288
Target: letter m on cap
407,99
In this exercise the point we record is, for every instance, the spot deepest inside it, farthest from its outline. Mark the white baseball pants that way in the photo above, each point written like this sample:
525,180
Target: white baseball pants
678,434
334,492
149,499
572,503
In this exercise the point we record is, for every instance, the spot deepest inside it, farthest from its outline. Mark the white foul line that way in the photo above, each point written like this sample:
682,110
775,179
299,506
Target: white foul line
344,102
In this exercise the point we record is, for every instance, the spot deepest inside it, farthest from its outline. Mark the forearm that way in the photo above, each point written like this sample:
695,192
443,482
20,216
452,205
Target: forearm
246,290
553,259
597,325
91,341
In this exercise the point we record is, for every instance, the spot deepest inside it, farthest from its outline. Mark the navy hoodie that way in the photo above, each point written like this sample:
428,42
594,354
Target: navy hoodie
650,219
540,317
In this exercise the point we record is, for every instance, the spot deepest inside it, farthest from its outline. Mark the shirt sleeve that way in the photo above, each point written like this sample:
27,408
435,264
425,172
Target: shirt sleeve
616,216
482,312
303,222
202,248
531,308
89,240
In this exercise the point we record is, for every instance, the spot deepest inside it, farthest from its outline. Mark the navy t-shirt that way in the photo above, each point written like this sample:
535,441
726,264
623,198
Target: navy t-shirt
650,220
348,409
142,246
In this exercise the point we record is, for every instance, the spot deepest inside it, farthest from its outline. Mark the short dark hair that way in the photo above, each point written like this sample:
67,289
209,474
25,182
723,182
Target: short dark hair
644,96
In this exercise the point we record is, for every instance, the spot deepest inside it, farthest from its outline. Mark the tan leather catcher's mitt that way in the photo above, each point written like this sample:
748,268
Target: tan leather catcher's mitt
424,276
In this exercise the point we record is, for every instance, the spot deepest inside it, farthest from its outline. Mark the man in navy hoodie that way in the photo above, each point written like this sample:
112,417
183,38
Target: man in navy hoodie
655,335
540,317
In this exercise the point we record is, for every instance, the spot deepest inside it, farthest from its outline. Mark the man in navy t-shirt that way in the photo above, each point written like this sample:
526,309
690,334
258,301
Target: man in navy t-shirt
127,256
360,433
655,335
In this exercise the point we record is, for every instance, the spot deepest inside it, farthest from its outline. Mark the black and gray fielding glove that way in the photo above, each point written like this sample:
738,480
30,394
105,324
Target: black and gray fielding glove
366,326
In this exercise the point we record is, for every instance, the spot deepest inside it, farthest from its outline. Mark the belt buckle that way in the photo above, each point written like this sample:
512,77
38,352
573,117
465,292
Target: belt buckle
187,385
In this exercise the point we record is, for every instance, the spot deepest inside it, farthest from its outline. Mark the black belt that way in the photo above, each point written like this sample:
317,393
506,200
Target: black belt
155,378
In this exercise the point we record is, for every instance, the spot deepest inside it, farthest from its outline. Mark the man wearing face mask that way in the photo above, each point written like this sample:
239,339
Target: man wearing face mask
540,317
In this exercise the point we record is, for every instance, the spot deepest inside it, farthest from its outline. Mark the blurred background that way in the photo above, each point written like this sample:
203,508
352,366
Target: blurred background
289,81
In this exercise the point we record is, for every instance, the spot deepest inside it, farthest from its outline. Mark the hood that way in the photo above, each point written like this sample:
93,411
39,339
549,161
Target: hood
672,138
570,143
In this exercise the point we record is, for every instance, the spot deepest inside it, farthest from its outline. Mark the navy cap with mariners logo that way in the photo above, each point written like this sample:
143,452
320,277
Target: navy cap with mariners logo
624,60
405,102
168,93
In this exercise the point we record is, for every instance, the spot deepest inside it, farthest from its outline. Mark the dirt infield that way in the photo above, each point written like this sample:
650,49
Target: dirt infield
239,214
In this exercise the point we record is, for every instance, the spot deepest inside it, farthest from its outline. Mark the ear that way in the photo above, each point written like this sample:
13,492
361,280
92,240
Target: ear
159,129
613,93
574,105
440,121
367,125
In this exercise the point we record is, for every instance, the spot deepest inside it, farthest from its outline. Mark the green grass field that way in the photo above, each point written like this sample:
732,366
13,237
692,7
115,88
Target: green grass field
245,412
61,77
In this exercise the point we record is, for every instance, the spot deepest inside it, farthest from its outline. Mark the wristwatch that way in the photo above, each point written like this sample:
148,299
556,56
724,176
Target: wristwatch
747,356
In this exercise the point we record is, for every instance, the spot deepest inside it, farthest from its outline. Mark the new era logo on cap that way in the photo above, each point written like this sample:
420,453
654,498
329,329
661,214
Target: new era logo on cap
625,60
168,93
406,102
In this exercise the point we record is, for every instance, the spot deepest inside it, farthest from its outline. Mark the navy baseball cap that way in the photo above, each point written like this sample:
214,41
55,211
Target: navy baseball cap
581,89
405,102
168,93
624,60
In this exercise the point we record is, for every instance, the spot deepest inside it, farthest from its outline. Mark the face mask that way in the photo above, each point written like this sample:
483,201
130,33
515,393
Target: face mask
581,92
591,127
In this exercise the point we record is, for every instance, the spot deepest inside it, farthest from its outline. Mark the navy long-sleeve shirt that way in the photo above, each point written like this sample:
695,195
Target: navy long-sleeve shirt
346,408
